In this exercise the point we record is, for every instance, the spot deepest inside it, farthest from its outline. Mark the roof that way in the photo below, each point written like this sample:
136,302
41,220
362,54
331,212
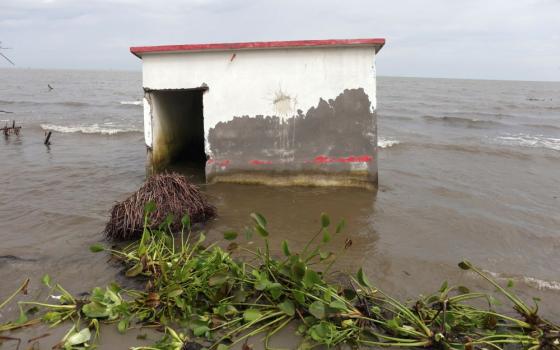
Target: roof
377,43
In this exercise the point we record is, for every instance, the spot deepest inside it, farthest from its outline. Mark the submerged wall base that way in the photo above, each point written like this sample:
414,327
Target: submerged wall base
360,180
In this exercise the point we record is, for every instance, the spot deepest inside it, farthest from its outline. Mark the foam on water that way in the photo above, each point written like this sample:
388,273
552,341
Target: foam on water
383,142
134,103
88,129
537,141
530,281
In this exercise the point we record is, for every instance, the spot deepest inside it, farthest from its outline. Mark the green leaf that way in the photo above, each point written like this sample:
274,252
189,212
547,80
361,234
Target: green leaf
311,278
321,332
510,283
134,270
394,323
230,235
337,304
218,279
465,265
325,220
261,231
150,207
298,270
201,238
317,309
122,326
22,316
443,287
340,226
251,315
78,337
169,218
46,280
299,296
96,248
52,316
362,279
262,282
259,219
175,292
326,236
95,310
275,290
186,221
287,307
200,331
222,347
285,248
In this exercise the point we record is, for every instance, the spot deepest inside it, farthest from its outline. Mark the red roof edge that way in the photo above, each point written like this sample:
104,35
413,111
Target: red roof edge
375,42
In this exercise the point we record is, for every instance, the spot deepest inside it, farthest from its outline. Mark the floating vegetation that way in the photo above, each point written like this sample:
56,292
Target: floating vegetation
201,297
172,194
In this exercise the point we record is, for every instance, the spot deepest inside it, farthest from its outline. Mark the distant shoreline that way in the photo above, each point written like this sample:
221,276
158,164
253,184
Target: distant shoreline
93,70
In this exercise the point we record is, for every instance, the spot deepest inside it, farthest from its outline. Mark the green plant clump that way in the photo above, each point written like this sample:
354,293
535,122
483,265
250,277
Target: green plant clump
199,296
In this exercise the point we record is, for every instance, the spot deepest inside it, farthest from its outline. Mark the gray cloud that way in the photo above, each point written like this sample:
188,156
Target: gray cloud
442,38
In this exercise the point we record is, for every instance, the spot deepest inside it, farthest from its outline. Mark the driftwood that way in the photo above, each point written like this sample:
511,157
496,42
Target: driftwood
8,130
48,138
171,193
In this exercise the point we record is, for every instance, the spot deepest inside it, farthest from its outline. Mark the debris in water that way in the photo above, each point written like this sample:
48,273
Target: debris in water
8,130
48,138
173,196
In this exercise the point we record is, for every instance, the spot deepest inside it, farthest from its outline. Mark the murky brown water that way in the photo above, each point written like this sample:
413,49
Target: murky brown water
444,196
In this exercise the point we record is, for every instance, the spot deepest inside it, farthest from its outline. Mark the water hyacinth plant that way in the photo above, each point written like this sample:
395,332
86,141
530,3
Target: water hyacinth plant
203,296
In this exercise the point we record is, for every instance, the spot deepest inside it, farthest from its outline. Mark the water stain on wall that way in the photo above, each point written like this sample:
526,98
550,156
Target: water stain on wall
338,127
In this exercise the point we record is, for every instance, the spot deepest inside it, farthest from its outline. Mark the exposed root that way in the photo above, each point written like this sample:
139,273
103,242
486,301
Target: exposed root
172,194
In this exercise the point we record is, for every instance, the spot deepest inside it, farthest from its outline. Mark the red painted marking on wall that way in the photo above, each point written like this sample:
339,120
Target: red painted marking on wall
350,159
259,162
375,42
322,160
356,159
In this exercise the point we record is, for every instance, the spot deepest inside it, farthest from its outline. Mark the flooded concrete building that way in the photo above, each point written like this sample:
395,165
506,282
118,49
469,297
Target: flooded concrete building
279,113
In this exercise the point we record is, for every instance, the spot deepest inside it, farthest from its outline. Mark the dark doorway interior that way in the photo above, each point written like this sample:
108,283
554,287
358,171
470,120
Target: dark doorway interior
180,129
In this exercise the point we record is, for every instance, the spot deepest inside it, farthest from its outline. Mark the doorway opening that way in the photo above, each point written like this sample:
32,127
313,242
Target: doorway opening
178,129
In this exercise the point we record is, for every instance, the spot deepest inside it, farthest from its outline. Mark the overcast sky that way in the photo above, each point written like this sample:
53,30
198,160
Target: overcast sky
490,39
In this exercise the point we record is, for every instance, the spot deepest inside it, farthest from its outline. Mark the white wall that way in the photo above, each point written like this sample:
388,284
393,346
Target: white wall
262,82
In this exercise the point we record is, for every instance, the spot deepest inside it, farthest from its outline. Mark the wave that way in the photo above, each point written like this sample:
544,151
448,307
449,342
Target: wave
41,103
131,103
460,121
530,281
70,103
386,142
543,126
485,149
88,129
535,141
